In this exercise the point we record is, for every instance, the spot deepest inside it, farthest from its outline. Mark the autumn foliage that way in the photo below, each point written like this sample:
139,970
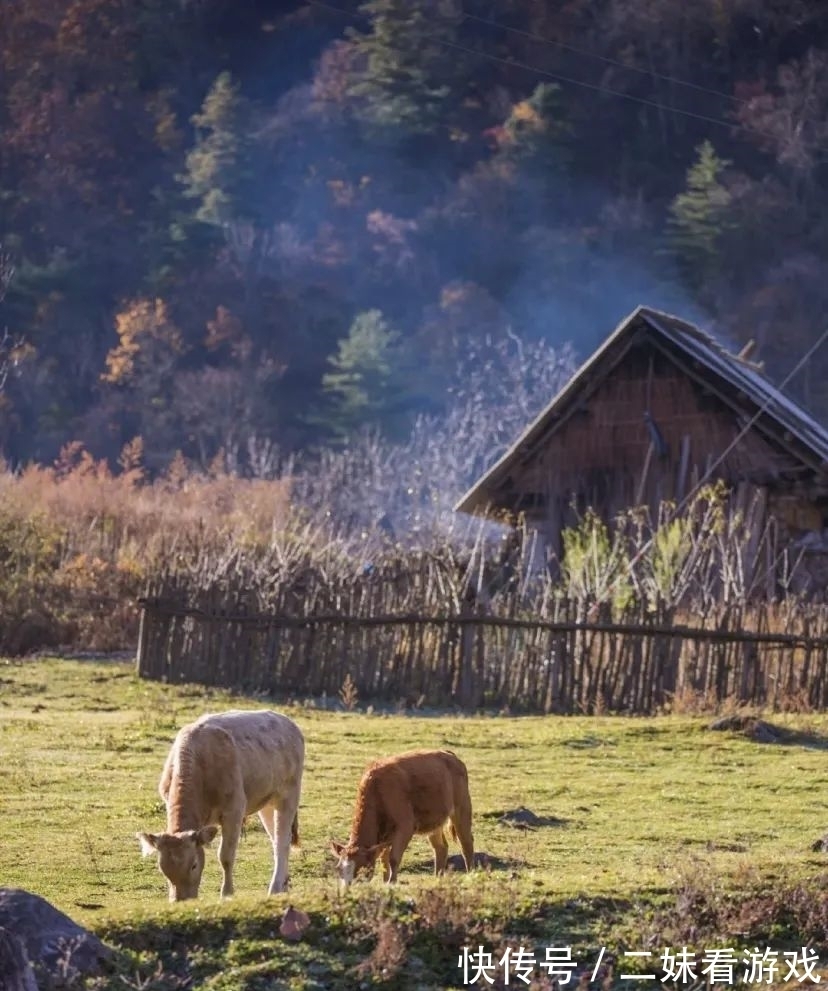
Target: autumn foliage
236,225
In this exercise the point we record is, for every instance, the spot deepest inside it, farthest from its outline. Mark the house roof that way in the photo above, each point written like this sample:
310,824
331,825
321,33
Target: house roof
737,380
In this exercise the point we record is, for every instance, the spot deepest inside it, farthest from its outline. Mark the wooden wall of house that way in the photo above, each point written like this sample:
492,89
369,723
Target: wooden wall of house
604,454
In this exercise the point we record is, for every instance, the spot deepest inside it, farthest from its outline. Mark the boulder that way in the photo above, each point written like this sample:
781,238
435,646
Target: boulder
752,727
16,972
53,943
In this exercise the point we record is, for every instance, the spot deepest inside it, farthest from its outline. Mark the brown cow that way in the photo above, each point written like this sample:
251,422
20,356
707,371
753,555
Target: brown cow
221,769
399,796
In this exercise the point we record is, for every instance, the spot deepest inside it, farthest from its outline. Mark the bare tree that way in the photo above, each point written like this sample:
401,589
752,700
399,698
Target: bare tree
405,491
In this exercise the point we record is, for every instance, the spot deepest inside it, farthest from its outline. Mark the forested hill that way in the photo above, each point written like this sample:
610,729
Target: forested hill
286,220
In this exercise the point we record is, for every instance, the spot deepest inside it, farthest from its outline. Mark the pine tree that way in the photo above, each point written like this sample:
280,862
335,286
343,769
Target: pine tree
407,76
367,384
221,166
700,217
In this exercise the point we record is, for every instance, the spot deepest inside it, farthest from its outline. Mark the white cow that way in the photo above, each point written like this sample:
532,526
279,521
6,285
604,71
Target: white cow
220,769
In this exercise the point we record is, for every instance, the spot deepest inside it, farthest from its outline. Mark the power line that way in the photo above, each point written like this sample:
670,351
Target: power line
565,46
708,473
559,77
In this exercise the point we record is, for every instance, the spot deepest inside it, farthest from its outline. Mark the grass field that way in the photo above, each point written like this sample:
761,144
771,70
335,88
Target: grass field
667,831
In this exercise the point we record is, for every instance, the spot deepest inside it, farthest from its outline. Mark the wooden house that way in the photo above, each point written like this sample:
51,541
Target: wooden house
658,408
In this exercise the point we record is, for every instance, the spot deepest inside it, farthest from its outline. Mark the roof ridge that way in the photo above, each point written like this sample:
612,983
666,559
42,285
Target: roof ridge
742,376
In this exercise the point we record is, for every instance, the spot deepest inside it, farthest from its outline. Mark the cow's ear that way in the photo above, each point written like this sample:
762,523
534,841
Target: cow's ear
149,843
205,835
336,848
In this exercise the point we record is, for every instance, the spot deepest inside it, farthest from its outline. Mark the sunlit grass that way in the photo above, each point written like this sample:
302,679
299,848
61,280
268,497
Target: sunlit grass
641,803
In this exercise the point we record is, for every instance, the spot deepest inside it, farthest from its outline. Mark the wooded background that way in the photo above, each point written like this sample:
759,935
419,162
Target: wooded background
240,225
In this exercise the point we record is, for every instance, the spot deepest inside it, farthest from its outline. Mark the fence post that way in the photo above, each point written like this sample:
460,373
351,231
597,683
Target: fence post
143,634
470,686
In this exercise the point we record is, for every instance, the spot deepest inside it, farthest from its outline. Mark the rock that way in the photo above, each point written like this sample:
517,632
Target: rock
820,845
483,861
523,818
294,923
52,941
16,972
750,726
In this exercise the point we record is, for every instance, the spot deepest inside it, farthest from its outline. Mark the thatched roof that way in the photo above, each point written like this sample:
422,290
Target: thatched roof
735,380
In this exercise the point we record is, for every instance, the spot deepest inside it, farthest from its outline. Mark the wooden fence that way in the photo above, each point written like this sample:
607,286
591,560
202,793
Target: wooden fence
307,645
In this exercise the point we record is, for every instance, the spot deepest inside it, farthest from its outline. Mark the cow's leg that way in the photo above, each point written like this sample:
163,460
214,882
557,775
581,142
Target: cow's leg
283,815
269,818
399,843
461,819
437,838
231,827
385,856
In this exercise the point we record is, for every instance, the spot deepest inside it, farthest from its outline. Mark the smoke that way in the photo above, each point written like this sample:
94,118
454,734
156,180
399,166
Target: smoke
508,276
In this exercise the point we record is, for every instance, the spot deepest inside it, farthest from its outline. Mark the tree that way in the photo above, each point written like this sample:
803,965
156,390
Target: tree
6,345
699,217
149,345
791,122
141,370
221,167
366,386
534,132
413,481
404,80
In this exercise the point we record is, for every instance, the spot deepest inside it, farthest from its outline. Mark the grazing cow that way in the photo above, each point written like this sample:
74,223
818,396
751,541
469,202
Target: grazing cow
399,796
219,770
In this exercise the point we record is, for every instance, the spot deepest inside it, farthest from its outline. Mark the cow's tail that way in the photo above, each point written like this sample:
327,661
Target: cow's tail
294,832
453,831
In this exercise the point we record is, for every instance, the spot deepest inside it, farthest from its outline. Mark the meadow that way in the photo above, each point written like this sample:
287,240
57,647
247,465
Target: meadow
660,832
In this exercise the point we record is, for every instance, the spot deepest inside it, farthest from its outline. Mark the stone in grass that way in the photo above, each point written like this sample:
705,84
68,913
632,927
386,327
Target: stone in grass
294,923
16,972
483,861
54,944
750,726
523,818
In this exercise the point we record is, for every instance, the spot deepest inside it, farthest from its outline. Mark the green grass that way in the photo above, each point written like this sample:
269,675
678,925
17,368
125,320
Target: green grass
653,811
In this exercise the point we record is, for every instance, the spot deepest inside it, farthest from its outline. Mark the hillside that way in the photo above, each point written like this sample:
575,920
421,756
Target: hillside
228,227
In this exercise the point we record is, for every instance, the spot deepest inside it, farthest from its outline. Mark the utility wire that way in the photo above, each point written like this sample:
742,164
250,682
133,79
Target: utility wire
559,77
708,473
565,46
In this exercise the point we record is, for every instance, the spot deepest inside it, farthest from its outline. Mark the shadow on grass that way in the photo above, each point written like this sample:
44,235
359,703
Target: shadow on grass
386,937
811,741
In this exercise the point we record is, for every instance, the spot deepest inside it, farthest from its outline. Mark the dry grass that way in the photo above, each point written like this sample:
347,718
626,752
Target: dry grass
81,540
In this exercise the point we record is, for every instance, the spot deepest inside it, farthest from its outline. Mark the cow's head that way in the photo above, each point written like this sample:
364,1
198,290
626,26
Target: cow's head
353,860
180,858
